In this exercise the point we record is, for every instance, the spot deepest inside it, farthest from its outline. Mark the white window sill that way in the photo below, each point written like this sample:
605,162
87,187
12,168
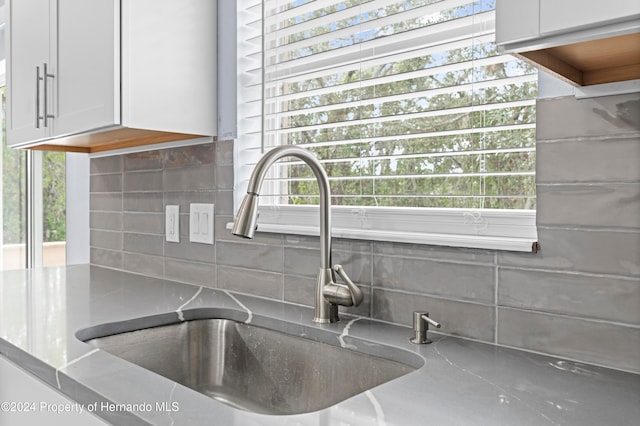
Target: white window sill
480,229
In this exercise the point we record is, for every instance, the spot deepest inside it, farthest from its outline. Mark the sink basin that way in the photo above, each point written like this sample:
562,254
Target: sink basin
252,368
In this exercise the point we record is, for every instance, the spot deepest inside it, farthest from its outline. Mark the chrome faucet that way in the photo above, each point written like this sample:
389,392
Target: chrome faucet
328,293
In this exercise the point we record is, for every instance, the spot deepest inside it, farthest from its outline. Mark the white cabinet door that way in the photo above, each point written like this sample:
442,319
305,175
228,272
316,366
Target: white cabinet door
134,71
88,72
28,50
516,20
561,16
169,65
31,402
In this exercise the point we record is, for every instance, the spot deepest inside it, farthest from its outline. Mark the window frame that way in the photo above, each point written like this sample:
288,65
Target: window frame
496,229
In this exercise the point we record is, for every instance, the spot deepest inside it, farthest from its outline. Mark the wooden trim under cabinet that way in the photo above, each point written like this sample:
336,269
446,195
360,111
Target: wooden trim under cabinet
110,139
592,62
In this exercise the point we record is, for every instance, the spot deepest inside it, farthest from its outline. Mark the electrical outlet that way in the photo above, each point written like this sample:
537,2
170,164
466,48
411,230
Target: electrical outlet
172,224
201,223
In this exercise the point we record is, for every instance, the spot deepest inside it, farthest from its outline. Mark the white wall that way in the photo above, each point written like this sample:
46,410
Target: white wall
77,208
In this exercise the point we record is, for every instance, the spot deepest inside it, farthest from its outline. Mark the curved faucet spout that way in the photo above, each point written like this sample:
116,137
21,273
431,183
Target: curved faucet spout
328,294
245,224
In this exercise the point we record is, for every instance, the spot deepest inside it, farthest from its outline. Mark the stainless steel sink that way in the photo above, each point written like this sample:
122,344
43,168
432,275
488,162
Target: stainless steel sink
252,368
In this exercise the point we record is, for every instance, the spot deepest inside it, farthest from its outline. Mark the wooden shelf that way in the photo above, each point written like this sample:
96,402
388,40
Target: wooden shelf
587,63
109,140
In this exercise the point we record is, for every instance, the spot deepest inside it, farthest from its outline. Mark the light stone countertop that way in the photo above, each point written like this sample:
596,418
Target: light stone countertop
459,382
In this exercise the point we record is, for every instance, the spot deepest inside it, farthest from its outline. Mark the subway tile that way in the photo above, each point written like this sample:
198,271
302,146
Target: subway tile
450,280
595,342
303,262
585,296
111,221
251,256
190,272
150,202
106,239
105,202
143,181
187,156
105,183
145,223
224,153
111,164
184,198
221,231
224,203
602,252
306,262
224,177
143,264
187,250
570,118
423,251
148,160
107,258
457,318
299,290
598,205
356,265
606,160
190,178
143,243
257,283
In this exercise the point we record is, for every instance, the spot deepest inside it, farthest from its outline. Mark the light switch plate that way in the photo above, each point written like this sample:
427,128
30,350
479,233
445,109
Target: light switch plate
172,224
201,223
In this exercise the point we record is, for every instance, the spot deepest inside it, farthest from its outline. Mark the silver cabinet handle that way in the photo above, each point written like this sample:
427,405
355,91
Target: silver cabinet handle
46,102
38,79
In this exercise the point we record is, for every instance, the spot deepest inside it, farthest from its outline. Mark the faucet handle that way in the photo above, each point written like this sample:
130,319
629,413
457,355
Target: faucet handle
421,323
346,295
356,293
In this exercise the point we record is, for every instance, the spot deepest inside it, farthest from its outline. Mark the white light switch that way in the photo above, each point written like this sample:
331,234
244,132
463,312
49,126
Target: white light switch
201,223
172,224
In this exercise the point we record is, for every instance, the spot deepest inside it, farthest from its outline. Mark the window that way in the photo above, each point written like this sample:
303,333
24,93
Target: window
32,198
426,133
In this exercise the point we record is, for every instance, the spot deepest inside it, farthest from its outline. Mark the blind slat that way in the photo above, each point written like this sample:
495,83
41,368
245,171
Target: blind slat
362,26
412,156
411,95
404,137
447,32
407,116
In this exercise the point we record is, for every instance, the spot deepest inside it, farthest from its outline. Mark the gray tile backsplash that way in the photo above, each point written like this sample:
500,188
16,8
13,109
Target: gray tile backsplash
464,319
578,297
598,342
597,297
457,281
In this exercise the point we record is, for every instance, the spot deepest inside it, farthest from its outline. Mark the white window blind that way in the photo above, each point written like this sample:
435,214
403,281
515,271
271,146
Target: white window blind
426,133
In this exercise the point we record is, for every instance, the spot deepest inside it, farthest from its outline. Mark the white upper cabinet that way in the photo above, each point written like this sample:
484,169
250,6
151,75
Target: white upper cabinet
87,75
120,73
567,15
25,70
583,42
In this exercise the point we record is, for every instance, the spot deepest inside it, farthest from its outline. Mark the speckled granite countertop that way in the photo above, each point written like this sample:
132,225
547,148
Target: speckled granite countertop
459,382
